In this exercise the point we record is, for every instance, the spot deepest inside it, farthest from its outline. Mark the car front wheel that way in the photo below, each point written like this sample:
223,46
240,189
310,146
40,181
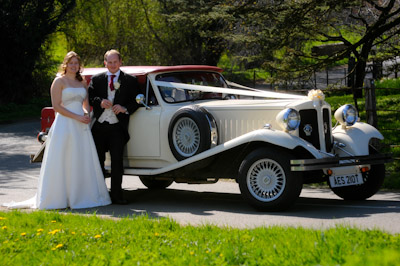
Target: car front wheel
266,182
373,180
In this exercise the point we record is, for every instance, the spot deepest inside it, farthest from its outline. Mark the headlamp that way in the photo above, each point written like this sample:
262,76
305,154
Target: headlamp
288,119
346,115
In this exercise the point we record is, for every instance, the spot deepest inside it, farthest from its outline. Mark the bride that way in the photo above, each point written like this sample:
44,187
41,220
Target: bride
70,175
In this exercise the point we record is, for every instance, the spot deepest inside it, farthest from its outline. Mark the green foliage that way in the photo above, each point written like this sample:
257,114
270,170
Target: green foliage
387,84
66,239
277,34
95,27
11,112
146,32
25,26
195,30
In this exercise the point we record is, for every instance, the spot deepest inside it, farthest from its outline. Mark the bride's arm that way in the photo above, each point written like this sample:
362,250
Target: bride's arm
56,100
85,104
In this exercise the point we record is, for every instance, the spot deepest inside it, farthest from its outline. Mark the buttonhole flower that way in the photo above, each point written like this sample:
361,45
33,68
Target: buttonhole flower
117,85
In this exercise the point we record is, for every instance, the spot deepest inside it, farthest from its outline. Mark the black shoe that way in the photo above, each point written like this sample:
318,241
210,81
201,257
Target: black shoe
119,201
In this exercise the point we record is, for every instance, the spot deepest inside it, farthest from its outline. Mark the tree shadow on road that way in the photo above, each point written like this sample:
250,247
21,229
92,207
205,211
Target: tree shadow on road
160,203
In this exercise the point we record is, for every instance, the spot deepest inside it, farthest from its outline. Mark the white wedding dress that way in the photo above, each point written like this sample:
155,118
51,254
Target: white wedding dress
71,174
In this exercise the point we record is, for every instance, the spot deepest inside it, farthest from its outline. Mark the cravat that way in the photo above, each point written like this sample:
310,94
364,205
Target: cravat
111,84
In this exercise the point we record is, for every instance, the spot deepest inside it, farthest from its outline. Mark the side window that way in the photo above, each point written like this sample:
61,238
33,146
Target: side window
176,94
150,98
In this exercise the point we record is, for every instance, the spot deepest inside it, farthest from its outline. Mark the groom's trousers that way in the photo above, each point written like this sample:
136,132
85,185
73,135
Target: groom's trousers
110,137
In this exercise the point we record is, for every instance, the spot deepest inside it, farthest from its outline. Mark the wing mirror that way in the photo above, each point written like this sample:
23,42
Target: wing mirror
140,100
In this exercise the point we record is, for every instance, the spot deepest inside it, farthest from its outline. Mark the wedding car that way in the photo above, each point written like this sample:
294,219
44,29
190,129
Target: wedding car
195,127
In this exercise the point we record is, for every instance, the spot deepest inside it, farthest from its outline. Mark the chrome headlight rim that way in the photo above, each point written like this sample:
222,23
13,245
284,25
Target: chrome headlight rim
347,115
289,119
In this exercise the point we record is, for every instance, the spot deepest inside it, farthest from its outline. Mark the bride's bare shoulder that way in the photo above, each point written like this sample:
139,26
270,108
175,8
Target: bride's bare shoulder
59,82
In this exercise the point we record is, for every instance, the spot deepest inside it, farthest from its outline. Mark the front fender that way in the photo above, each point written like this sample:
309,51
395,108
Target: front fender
356,138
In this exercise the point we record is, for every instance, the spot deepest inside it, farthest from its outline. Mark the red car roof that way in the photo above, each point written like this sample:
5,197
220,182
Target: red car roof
143,70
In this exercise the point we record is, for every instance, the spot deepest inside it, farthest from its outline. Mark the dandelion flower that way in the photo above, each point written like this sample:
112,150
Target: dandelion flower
191,252
73,233
156,234
39,230
4,227
54,231
2,218
97,236
23,234
54,221
59,246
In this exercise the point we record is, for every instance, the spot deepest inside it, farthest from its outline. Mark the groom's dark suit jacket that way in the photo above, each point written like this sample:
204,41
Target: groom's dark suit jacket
124,96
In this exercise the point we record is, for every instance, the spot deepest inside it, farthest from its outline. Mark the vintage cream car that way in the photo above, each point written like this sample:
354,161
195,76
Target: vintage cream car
194,128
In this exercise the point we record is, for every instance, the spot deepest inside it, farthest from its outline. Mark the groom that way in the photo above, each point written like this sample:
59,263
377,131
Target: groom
112,95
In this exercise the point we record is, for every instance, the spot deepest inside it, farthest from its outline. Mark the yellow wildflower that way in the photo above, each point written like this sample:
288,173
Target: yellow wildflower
4,227
72,233
39,230
5,242
23,234
156,234
97,236
54,231
54,221
191,252
57,247
2,218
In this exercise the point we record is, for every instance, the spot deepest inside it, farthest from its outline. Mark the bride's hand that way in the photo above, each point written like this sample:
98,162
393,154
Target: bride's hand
84,118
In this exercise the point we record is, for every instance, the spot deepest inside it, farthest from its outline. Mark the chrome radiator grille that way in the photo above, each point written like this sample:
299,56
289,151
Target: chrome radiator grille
309,129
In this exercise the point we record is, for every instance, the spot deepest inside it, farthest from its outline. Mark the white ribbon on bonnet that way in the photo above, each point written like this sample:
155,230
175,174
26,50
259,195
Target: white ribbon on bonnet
249,92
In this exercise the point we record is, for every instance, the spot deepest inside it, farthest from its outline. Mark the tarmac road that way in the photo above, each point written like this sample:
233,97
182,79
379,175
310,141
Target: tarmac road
218,204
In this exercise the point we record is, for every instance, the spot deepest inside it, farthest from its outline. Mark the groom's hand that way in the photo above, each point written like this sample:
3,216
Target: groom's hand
105,104
119,109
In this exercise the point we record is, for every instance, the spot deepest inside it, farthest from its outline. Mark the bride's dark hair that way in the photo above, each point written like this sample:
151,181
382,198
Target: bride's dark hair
67,58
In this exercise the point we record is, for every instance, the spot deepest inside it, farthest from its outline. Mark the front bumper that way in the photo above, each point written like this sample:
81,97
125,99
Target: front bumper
333,162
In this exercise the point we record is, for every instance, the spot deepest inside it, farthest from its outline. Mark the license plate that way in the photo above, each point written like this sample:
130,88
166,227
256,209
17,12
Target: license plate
346,180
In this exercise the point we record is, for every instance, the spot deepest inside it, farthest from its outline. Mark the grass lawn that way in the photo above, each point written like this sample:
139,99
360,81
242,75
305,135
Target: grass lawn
52,238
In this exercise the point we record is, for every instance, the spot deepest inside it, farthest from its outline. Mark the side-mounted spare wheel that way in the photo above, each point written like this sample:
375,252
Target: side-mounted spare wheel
266,182
192,130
